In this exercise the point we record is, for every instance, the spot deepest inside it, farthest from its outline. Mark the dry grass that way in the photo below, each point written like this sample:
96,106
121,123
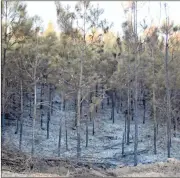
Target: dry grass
16,164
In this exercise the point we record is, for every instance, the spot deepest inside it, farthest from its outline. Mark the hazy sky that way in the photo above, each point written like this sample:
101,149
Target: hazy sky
113,11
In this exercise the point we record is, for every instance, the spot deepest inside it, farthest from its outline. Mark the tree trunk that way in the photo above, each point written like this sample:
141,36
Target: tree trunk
175,126
144,109
113,104
96,96
66,139
167,93
41,106
87,132
51,100
30,106
75,108
136,90
17,125
102,104
108,101
154,106
66,130
125,127
60,136
34,119
90,113
81,106
64,103
123,141
79,112
93,131
4,74
21,117
118,105
128,114
49,110
132,107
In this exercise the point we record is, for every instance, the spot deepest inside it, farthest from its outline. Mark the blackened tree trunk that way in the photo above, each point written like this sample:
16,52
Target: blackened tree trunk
102,104
118,104
125,125
81,106
30,106
41,105
51,101
60,136
123,141
144,108
64,103
34,115
87,133
136,86
4,67
75,108
93,131
66,131
90,112
154,106
175,125
21,117
49,110
108,101
17,125
168,100
113,105
96,96
128,113
132,107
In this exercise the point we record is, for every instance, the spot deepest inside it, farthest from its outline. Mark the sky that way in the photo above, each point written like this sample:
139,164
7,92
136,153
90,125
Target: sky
113,12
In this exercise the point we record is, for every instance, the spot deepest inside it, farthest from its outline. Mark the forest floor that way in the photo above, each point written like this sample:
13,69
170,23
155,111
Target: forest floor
104,147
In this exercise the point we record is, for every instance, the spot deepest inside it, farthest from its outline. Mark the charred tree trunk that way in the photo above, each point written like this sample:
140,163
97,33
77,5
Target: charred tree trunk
125,125
4,70
81,105
102,104
154,106
128,115
123,141
49,110
60,136
132,107
93,131
66,129
21,117
144,109
168,100
136,86
75,108
41,105
34,117
90,113
113,105
30,106
175,126
108,101
87,133
51,99
96,96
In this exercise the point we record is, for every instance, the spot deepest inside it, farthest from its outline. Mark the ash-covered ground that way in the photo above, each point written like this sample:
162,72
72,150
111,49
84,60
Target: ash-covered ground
105,146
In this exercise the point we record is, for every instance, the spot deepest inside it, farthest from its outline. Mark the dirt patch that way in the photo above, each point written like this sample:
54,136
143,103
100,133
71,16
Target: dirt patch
166,169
